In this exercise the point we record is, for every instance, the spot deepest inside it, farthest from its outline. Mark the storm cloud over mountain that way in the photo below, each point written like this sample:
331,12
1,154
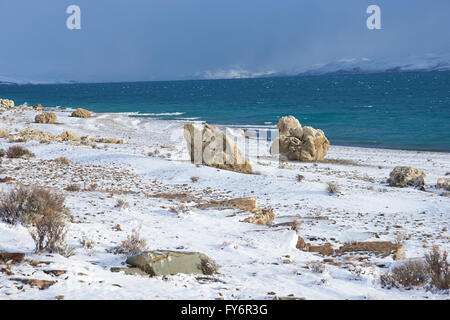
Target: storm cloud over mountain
139,40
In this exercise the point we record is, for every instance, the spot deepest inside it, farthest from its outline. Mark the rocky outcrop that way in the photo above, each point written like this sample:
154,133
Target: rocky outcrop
46,117
67,136
38,107
32,134
443,183
299,143
81,113
212,147
382,248
6,104
161,263
406,176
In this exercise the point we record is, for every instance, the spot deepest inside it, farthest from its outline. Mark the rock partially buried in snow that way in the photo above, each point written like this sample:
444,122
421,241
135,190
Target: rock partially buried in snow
81,113
443,183
11,257
6,104
214,148
166,262
406,176
297,143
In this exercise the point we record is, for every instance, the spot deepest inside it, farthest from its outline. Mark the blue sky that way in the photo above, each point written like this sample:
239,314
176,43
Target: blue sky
135,40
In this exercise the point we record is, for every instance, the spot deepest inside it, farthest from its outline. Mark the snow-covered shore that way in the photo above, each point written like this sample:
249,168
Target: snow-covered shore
256,261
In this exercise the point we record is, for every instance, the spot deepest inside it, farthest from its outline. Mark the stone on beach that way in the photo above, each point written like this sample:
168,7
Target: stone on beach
46,117
166,262
81,113
297,143
403,176
443,183
214,148
6,104
67,136
38,107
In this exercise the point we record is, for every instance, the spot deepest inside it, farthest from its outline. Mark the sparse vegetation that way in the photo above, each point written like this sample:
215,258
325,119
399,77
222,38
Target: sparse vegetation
434,272
195,179
18,152
41,211
438,268
87,243
63,160
121,204
209,267
134,244
333,188
408,275
2,153
73,187
316,267
300,178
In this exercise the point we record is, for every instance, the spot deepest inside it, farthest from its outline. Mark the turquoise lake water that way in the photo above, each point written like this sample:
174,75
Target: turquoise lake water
391,110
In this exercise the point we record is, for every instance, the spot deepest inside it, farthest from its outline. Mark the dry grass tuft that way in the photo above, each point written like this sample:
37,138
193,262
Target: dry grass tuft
333,188
209,267
134,244
300,178
438,268
18,152
63,161
121,204
73,187
434,271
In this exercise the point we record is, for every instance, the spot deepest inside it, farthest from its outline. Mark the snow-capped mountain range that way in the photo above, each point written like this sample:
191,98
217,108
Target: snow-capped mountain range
426,63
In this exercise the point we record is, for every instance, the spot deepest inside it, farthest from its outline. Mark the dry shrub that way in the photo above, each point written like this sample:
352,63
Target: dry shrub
46,117
12,205
73,187
48,230
333,188
434,271
92,187
2,153
63,160
87,243
121,204
195,179
41,211
317,267
407,275
300,178
134,244
438,268
18,152
209,267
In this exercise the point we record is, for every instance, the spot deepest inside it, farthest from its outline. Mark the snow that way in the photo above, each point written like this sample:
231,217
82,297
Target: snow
254,260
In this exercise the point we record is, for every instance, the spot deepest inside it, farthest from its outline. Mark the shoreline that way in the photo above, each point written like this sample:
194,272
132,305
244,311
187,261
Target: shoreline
151,172
239,126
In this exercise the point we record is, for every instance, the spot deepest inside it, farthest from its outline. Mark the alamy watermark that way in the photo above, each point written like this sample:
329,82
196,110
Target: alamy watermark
73,22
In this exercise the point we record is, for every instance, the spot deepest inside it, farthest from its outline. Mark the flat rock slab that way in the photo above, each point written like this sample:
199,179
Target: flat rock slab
129,271
41,284
11,257
160,263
